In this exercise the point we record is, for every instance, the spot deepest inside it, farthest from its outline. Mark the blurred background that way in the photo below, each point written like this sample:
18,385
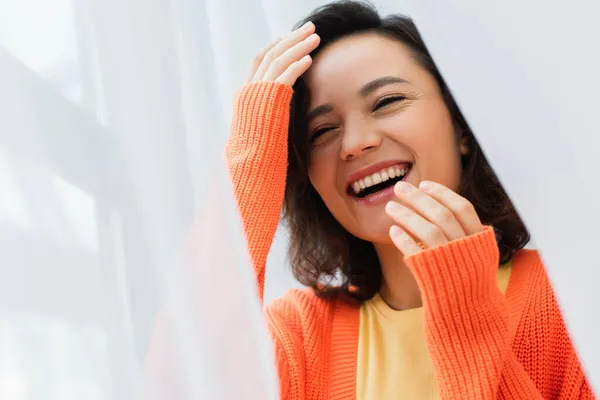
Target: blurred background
113,119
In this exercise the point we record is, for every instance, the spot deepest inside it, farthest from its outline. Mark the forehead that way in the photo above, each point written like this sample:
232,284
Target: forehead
350,62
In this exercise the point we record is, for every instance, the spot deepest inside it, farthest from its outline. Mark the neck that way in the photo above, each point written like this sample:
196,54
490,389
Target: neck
399,288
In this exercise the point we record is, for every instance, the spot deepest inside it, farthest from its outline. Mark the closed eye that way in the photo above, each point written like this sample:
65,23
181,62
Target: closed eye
387,101
320,132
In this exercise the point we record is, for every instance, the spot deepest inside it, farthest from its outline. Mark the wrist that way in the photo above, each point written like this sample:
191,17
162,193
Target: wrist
461,273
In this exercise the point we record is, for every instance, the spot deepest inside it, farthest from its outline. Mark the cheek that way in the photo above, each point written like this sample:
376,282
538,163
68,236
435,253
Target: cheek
429,133
428,126
322,169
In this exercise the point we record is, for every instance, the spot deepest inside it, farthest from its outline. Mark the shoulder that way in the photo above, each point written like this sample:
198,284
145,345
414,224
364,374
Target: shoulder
526,257
299,307
529,282
301,313
529,276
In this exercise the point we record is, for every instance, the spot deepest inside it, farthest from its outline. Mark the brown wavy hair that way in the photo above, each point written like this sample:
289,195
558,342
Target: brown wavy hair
322,253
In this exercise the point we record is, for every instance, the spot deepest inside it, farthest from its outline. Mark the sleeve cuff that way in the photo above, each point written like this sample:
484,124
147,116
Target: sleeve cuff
261,114
459,273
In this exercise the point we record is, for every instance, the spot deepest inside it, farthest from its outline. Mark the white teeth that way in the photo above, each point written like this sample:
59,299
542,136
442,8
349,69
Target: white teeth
376,178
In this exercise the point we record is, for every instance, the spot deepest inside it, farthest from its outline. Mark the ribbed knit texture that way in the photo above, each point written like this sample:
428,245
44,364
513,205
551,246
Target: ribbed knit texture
483,345
393,343
259,133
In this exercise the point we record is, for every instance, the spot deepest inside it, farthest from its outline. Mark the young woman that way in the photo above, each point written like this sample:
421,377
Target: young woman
418,286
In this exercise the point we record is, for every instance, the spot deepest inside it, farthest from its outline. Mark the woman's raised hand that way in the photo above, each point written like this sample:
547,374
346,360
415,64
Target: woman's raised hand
286,59
431,215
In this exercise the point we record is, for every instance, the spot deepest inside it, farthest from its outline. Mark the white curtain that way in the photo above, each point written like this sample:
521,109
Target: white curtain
116,220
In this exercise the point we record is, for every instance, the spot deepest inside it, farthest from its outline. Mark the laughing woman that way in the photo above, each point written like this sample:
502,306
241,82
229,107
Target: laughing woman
418,283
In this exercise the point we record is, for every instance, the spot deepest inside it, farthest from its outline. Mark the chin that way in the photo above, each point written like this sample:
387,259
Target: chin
381,238
377,233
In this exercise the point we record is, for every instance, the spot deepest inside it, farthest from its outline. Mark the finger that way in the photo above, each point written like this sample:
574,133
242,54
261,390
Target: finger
291,55
258,58
431,209
289,41
403,241
463,210
295,70
417,226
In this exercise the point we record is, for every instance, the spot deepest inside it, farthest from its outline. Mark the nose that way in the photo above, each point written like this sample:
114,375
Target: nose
359,140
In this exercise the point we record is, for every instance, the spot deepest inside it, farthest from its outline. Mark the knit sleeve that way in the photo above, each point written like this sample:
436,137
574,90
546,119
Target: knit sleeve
467,321
256,154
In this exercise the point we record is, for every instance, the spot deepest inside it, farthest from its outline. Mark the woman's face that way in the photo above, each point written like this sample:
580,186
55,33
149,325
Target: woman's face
375,116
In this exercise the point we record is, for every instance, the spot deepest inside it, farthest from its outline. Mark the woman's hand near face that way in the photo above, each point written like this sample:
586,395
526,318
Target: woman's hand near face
286,59
432,215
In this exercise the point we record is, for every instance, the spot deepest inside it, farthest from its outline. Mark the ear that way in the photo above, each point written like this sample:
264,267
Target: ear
463,147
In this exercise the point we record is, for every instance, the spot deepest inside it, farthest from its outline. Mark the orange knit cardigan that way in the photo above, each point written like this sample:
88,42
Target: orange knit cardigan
483,345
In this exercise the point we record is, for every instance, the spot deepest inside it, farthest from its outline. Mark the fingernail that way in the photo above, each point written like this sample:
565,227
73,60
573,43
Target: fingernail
393,207
404,187
426,186
312,37
307,26
395,231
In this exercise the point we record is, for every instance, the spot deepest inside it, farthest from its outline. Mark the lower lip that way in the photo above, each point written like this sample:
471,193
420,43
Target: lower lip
380,197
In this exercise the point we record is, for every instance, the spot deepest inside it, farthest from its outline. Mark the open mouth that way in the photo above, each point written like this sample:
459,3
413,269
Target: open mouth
380,180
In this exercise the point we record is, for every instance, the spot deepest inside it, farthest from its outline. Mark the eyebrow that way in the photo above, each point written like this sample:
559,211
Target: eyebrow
375,84
319,110
366,90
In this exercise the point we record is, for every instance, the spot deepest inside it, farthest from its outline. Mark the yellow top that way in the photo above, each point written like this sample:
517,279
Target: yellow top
393,361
